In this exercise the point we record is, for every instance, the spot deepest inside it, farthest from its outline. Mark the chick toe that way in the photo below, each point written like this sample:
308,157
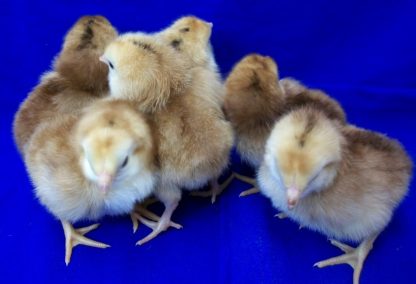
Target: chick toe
74,237
248,180
162,224
215,189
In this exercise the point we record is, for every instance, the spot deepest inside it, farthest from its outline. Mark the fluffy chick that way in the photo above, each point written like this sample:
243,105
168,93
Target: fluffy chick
78,78
186,120
341,181
255,99
190,36
88,167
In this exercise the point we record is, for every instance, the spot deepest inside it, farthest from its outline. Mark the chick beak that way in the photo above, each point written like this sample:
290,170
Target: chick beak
104,182
102,59
292,197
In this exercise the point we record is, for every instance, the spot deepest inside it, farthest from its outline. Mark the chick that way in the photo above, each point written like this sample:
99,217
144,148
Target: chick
255,99
77,79
86,167
190,36
157,79
341,181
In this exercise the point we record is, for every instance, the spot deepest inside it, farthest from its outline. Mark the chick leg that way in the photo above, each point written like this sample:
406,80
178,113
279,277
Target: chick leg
215,190
160,226
142,212
74,237
248,180
355,257
141,207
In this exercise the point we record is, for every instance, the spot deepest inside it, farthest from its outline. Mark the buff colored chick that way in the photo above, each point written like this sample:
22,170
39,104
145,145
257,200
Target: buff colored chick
255,99
190,36
88,167
78,78
341,181
163,84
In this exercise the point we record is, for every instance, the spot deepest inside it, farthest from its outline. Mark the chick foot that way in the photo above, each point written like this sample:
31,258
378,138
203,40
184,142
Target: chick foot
162,224
141,208
74,237
142,213
248,180
215,190
355,257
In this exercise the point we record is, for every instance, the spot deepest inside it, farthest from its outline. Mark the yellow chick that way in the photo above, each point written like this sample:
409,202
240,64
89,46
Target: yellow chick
78,78
341,181
86,167
190,36
156,77
255,99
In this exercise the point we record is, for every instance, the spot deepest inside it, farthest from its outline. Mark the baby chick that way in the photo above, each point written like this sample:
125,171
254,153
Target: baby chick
78,78
342,181
85,168
255,99
158,79
190,36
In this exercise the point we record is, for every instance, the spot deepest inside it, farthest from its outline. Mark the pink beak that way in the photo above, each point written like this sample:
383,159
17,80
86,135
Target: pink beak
292,197
104,181
102,59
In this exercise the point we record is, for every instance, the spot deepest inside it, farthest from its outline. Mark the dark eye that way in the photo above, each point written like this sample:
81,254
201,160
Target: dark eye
110,64
184,30
175,43
125,162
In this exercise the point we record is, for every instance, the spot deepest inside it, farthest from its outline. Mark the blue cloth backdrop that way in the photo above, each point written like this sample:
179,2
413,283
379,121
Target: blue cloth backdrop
363,53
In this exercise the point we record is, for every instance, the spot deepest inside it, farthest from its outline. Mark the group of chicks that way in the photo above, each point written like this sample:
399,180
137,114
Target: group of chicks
124,117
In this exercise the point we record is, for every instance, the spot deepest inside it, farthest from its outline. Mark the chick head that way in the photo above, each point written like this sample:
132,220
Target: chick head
144,70
192,36
303,153
79,59
115,143
252,88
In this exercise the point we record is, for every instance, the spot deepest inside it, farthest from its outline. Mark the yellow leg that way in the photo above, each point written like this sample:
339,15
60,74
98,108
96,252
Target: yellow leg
74,237
355,257
162,223
215,190
140,213
248,180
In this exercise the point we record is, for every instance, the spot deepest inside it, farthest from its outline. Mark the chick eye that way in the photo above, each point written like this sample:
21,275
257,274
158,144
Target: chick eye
184,30
110,64
126,160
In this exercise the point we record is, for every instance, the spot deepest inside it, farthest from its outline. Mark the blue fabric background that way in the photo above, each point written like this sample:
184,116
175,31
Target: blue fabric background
361,52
